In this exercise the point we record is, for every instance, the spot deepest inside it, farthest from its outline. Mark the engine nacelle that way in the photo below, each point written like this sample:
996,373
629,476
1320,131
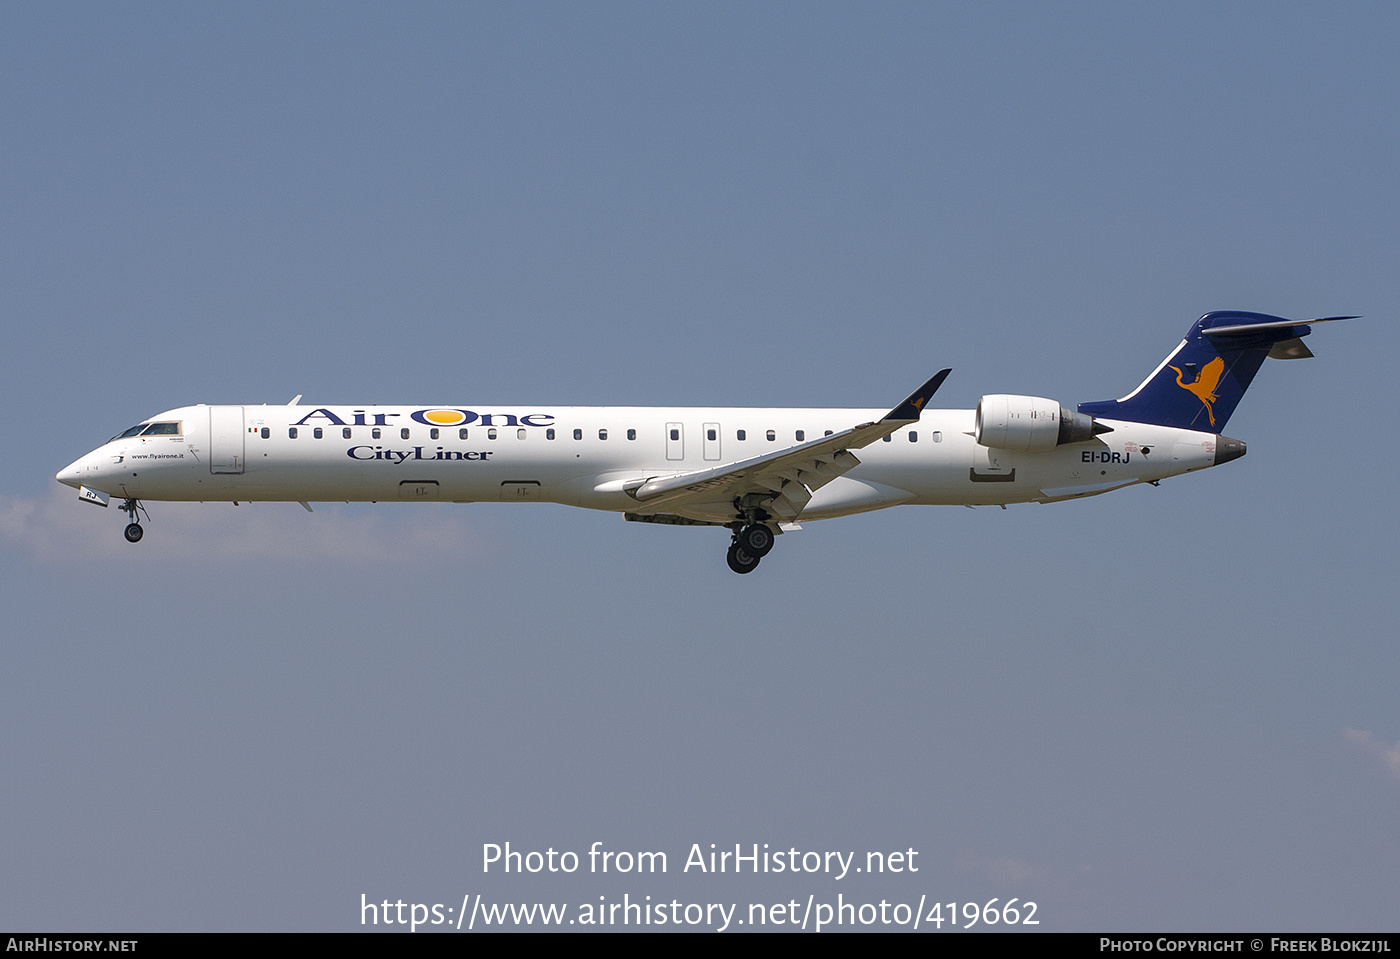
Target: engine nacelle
1029,424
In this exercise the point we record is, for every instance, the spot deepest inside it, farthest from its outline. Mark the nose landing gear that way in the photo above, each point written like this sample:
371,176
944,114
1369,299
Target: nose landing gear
134,532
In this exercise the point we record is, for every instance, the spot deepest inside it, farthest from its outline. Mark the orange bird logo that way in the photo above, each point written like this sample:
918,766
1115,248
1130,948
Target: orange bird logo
1205,384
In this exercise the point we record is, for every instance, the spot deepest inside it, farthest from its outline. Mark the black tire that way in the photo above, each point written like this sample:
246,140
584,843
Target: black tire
134,533
740,561
757,540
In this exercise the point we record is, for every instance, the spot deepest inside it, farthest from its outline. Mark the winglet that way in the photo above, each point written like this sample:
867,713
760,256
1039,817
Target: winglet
909,410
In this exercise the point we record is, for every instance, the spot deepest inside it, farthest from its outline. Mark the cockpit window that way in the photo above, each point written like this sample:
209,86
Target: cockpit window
162,429
131,432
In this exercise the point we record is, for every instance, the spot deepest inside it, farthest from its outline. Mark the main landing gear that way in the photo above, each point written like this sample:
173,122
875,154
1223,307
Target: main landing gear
134,532
740,561
750,544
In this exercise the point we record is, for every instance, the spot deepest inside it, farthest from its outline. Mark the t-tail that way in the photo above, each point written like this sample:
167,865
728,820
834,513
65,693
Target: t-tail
1199,385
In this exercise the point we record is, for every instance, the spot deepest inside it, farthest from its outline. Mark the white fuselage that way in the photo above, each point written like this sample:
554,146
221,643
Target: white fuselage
590,456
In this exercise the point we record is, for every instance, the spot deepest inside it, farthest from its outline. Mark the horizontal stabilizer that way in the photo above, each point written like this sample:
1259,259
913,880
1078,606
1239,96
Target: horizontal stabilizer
1244,328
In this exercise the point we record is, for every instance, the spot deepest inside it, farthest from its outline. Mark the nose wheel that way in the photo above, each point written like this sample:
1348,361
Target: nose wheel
134,532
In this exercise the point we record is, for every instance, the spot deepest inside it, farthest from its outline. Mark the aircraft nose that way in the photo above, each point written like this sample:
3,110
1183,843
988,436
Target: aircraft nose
71,474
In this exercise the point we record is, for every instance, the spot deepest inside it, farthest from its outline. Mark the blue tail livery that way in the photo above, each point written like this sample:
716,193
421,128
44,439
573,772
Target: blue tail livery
1201,382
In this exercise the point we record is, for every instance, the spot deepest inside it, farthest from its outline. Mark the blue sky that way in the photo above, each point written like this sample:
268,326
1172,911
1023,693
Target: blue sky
1167,708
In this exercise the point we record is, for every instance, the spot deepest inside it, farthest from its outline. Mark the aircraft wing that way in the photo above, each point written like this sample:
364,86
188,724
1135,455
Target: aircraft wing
784,479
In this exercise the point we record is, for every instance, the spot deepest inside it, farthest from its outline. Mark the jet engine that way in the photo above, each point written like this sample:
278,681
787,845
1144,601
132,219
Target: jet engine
1029,424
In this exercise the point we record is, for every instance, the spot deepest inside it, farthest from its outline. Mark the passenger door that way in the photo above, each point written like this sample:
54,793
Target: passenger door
226,439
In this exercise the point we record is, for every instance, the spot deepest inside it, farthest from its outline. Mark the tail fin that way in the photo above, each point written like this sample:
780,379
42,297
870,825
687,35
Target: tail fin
1201,382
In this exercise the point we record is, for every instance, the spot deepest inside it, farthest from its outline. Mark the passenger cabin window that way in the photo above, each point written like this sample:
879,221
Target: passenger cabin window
602,434
827,433
461,434
886,437
741,436
548,434
913,436
520,433
801,435
711,435
491,433
772,436
265,432
631,434
404,433
376,432
675,434
292,433
578,434
433,433
318,433
345,433
938,436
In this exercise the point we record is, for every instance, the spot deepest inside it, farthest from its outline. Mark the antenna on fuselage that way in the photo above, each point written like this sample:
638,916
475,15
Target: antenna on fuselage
295,400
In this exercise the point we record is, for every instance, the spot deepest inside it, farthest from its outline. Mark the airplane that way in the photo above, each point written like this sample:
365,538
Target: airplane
756,472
